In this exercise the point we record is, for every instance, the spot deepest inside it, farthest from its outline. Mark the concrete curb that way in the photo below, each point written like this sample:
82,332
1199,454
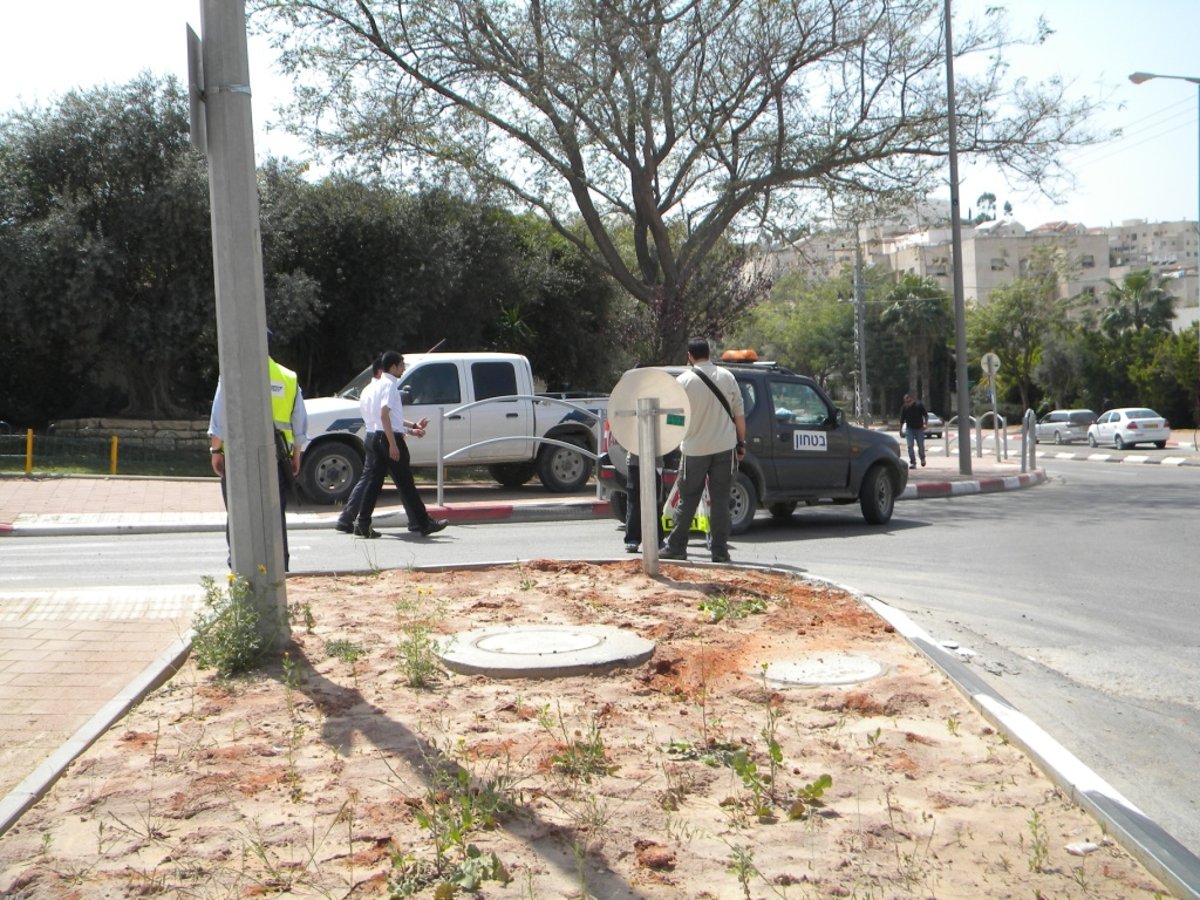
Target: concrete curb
1162,855
79,524
29,791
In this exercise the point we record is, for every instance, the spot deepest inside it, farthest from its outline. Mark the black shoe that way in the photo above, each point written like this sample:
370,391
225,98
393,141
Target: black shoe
720,558
367,533
414,528
631,548
665,552
344,528
922,462
433,526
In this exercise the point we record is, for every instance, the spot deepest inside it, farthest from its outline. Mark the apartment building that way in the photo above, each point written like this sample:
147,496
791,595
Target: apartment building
999,252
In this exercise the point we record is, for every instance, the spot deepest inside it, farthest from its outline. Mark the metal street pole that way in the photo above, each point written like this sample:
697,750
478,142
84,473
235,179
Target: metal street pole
251,473
1140,78
860,330
960,314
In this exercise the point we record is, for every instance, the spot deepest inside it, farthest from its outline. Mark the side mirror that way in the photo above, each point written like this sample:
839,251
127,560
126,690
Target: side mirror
839,417
406,394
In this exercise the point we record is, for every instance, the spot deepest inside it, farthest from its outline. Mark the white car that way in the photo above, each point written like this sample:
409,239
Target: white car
1129,426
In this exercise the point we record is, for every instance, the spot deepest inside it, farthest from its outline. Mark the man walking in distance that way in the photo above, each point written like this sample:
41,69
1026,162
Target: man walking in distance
714,442
369,409
388,450
914,418
291,436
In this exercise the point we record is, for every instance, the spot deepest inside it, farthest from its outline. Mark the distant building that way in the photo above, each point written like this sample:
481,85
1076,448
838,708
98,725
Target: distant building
998,252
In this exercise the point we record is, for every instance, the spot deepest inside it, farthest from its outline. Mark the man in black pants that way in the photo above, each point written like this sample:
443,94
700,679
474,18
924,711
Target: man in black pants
387,450
913,422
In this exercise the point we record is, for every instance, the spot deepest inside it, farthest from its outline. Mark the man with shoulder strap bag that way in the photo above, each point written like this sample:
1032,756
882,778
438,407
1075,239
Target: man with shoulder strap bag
714,443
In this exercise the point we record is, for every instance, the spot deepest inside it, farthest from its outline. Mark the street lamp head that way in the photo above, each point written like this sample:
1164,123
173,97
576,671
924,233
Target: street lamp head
1141,77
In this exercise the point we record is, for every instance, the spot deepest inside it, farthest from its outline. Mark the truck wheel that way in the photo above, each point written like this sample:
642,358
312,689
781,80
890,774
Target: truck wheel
512,474
877,496
563,471
330,472
782,511
743,503
617,505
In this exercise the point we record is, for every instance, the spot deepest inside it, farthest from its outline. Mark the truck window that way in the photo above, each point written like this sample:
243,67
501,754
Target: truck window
436,383
797,404
493,379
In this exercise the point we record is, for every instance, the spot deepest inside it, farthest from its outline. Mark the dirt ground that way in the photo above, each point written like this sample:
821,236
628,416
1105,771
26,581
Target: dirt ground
331,774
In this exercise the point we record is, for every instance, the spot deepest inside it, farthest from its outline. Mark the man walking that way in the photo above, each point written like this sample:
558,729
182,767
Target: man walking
714,442
387,450
914,419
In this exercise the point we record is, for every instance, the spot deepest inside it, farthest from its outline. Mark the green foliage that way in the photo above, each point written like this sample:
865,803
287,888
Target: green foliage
227,633
418,656
722,606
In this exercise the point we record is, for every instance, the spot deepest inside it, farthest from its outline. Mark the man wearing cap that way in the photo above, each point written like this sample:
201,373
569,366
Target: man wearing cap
291,436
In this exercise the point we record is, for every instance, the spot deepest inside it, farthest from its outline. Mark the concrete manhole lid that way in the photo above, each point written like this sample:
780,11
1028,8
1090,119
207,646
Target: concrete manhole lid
824,668
542,651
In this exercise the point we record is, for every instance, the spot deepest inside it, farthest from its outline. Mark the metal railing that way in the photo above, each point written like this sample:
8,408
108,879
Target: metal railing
101,454
444,413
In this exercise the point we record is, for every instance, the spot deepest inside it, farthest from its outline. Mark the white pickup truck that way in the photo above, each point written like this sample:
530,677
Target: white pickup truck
437,385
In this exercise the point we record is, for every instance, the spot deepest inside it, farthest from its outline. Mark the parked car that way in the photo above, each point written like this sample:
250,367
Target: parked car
801,450
1129,426
1064,426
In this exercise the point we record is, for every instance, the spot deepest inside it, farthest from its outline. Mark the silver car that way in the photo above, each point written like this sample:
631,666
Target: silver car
1064,426
1128,426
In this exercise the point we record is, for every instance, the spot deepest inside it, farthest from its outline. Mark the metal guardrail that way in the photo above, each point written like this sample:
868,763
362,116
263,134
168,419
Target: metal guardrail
104,454
444,413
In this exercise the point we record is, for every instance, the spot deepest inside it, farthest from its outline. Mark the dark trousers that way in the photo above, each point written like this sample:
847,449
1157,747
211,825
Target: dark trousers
633,503
285,480
375,471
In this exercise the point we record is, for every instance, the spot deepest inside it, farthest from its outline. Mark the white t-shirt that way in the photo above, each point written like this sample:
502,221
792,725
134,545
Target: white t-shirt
710,429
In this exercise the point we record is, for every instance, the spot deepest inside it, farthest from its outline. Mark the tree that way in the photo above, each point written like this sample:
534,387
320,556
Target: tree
681,120
987,208
105,256
1138,302
1013,325
920,317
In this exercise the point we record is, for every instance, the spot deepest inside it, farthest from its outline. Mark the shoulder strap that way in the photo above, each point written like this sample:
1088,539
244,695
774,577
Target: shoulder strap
712,387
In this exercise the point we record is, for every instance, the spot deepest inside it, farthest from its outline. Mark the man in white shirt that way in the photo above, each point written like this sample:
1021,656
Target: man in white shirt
386,451
714,442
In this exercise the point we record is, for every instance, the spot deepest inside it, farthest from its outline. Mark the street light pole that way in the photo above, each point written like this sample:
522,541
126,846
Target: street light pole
1141,78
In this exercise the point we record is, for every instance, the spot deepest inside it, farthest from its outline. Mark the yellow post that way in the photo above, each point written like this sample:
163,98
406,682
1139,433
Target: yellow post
112,465
28,451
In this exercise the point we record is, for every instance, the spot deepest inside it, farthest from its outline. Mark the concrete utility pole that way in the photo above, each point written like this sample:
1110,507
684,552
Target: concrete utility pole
860,329
251,473
960,312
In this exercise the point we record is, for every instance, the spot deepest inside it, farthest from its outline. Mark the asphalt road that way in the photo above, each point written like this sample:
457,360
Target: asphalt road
1077,597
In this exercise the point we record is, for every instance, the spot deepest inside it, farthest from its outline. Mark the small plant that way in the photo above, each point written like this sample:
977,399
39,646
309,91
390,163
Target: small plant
758,784
721,606
346,651
1039,843
810,795
952,724
873,739
583,755
227,629
291,681
741,864
418,657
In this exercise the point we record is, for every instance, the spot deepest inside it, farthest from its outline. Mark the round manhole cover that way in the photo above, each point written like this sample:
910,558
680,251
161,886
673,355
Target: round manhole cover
542,651
826,668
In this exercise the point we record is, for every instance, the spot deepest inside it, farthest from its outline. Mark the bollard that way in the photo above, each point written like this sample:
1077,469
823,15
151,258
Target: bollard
112,456
29,451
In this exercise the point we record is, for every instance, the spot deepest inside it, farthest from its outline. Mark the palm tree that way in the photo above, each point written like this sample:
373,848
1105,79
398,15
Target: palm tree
918,315
1139,302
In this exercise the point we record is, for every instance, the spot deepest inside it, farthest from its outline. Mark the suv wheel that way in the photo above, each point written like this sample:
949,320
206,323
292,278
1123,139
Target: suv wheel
330,472
563,471
743,503
878,496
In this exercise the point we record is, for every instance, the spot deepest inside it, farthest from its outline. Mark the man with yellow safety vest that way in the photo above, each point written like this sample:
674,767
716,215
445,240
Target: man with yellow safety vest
291,436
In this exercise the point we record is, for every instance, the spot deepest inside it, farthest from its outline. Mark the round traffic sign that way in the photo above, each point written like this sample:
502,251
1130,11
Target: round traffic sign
990,363
669,422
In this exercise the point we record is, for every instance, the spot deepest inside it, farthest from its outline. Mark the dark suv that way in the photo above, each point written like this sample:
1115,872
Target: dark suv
799,449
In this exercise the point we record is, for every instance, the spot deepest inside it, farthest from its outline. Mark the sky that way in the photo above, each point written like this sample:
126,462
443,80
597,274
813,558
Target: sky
1150,173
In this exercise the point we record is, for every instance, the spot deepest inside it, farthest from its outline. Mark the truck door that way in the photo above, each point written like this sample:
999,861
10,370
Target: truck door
427,389
504,418
810,451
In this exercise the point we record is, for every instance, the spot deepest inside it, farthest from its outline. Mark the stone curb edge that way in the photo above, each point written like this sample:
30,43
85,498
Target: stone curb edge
458,515
29,791
1162,855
